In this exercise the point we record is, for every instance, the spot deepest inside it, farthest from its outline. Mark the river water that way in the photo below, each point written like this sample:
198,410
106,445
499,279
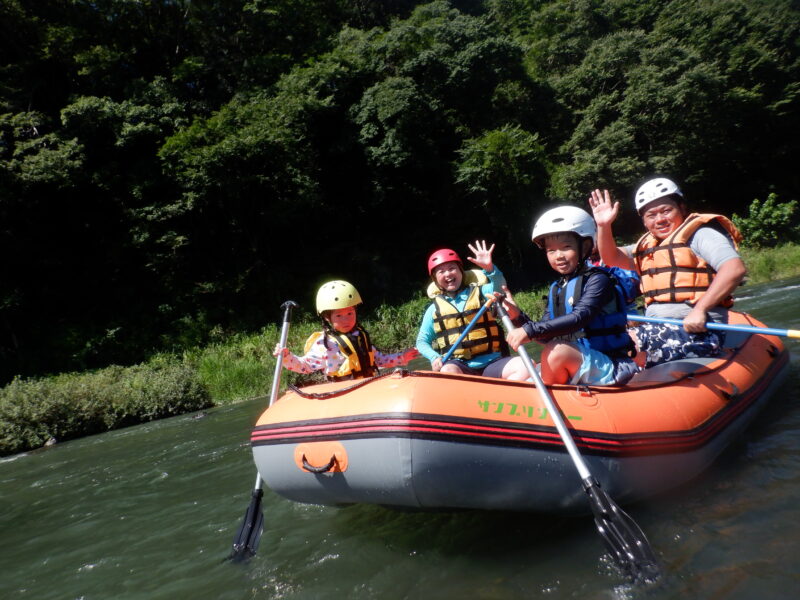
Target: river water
151,511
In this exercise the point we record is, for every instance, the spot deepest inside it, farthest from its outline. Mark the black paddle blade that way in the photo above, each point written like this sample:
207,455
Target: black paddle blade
622,536
246,541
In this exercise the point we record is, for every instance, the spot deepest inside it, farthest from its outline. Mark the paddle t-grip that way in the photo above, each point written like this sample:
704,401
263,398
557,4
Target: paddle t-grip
501,310
287,310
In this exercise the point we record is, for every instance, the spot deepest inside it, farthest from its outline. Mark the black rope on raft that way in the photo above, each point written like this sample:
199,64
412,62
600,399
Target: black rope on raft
333,394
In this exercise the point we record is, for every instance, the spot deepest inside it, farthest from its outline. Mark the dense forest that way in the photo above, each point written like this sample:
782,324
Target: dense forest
173,169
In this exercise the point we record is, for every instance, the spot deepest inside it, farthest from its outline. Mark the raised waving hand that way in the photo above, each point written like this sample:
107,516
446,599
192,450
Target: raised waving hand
604,209
483,255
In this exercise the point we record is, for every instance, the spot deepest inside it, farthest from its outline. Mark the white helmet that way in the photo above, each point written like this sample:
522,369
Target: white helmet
655,189
564,219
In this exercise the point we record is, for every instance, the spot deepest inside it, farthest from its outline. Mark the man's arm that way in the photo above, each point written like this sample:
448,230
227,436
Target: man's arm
605,213
727,279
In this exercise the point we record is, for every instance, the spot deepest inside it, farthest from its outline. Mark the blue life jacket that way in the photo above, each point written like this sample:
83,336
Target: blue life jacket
629,283
607,331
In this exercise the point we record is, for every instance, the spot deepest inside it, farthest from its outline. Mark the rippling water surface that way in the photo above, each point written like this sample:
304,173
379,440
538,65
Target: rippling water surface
150,512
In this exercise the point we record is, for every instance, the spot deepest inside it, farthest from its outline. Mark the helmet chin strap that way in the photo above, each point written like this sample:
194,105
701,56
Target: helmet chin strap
582,256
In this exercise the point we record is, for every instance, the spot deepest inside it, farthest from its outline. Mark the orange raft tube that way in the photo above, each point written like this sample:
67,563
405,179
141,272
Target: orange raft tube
429,440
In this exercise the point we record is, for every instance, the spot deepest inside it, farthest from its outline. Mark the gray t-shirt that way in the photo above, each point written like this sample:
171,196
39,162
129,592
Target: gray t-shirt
715,247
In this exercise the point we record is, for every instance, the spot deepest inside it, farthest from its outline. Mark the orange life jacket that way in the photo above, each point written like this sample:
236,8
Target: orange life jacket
670,271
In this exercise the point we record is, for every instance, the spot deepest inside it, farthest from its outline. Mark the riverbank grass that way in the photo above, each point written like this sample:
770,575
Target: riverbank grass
770,264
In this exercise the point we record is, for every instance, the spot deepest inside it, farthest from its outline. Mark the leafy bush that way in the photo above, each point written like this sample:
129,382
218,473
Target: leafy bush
68,406
769,224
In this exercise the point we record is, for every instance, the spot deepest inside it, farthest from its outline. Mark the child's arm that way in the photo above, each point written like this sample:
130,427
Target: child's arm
387,361
497,281
426,337
596,294
313,360
517,336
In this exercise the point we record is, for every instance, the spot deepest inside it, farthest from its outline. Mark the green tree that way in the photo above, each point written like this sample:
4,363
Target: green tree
769,223
339,148
507,169
168,166
651,90
107,257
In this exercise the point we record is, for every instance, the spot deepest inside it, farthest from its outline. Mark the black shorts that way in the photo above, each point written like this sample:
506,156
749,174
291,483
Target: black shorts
493,369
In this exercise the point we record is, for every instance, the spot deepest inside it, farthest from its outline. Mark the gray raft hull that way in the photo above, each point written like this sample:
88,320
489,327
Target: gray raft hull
429,441
404,471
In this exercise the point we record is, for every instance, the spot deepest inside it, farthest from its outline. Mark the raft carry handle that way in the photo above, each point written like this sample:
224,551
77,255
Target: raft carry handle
323,469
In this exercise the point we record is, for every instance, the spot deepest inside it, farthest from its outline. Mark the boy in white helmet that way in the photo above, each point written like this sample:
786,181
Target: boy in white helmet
584,328
689,265
343,349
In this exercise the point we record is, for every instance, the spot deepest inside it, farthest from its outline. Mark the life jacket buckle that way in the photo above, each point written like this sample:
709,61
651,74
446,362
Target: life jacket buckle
583,390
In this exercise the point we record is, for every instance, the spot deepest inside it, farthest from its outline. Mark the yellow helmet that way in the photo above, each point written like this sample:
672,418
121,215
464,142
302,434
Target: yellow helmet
337,294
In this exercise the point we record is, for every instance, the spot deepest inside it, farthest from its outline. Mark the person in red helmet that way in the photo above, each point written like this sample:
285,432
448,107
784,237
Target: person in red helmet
456,296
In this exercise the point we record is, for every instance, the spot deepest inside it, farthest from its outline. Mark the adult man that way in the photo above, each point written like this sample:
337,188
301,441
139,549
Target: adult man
688,263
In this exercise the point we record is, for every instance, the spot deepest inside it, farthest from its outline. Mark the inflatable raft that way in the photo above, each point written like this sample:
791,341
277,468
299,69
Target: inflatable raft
429,440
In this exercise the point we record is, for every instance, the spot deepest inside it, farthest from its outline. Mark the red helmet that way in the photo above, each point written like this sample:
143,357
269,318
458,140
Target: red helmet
442,256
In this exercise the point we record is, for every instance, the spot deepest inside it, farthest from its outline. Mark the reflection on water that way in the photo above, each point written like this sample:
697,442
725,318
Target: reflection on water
150,512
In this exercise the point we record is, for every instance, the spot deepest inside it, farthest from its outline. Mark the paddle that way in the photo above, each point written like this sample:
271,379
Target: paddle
792,333
469,327
622,536
247,538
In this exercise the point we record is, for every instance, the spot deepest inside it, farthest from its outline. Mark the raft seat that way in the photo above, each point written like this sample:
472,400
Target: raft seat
670,371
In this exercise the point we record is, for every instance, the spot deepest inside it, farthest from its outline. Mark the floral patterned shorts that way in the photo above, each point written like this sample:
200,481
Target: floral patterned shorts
664,343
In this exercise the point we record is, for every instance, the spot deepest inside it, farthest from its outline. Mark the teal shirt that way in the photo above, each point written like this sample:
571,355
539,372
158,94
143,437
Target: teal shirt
427,335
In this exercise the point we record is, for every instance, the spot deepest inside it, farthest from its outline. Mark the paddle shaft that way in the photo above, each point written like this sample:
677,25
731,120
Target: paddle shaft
622,536
276,378
246,541
555,414
792,333
469,327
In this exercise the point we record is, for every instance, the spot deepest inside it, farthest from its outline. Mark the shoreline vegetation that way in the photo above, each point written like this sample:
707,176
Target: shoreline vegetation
41,411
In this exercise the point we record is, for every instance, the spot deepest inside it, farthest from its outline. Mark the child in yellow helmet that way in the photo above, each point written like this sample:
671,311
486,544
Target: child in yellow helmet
343,349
